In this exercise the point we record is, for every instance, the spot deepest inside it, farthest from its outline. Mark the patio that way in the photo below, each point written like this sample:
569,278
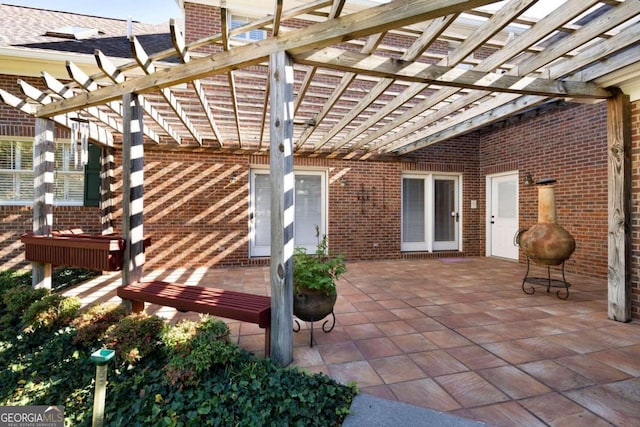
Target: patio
456,335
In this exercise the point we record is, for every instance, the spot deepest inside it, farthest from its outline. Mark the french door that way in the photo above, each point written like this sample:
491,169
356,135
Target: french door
309,217
430,212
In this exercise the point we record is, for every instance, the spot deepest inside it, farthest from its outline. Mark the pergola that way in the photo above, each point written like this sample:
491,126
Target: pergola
339,78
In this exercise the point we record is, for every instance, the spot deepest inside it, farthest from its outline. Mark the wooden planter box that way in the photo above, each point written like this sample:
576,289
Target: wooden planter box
74,248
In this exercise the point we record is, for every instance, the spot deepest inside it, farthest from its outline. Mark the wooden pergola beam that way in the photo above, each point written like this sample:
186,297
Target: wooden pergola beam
360,24
380,66
147,66
97,134
179,44
619,190
225,25
600,24
88,84
282,183
370,46
112,72
479,36
428,36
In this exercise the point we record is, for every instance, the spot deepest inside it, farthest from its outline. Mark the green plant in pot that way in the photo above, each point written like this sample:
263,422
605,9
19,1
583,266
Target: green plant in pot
314,281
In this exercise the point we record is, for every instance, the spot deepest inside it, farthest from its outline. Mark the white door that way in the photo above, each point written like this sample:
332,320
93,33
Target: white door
309,216
503,215
430,213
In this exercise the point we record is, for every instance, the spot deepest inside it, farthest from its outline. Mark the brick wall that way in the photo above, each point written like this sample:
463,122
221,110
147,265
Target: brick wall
568,144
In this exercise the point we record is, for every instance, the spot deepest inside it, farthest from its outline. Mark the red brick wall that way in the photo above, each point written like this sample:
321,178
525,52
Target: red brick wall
635,209
568,144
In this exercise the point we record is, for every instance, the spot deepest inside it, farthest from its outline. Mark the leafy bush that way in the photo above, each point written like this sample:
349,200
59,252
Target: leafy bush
14,303
53,310
10,279
92,324
196,347
134,337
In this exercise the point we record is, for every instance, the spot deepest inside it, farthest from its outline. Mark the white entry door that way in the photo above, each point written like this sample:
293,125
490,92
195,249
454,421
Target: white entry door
503,215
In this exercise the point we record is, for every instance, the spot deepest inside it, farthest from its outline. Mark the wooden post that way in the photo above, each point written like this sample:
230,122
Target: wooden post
107,165
132,190
619,161
43,165
282,208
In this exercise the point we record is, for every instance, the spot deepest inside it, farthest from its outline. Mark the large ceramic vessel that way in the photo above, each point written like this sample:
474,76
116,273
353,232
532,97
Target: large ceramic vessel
547,243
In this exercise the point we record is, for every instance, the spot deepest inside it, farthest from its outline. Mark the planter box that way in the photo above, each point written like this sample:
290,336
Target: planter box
74,248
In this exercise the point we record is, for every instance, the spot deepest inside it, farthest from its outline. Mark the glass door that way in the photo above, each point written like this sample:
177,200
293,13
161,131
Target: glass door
446,215
310,208
430,213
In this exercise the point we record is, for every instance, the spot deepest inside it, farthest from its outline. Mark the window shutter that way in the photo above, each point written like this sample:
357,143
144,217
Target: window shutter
92,177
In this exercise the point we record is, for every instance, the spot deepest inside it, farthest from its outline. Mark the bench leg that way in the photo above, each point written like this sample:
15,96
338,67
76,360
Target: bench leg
137,306
267,342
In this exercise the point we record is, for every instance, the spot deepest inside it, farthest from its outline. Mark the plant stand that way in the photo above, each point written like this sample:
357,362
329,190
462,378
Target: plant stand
546,281
326,329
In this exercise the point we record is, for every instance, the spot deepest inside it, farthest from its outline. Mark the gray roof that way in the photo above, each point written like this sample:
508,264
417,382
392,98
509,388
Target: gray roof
27,27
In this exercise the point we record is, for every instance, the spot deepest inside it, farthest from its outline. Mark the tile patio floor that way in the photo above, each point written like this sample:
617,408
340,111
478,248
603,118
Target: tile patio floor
456,335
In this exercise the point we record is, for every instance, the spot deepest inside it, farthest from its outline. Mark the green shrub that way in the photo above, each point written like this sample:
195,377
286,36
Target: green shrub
16,301
53,310
194,348
10,279
135,337
92,323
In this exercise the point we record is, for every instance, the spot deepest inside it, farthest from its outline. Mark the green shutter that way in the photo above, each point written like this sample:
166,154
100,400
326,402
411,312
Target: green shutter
92,177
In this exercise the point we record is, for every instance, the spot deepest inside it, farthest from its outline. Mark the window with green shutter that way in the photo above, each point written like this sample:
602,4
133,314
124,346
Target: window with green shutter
73,186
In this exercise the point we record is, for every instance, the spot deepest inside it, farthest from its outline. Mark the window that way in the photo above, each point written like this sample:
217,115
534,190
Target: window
249,36
16,173
430,212
310,210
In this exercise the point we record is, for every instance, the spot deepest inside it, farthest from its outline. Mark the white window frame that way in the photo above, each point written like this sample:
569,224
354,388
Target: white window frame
263,251
238,21
428,245
62,175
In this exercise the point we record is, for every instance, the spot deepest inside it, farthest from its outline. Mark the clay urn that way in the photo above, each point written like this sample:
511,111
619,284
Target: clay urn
547,243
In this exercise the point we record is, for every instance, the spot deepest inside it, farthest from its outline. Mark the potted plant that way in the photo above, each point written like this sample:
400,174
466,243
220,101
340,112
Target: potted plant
314,281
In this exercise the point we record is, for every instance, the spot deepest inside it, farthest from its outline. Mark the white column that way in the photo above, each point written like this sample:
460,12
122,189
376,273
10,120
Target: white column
43,165
132,189
107,165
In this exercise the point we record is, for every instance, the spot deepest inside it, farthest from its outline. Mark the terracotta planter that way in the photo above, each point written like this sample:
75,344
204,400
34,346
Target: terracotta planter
547,243
311,306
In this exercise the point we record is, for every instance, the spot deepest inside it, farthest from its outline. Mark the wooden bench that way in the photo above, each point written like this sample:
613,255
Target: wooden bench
218,302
